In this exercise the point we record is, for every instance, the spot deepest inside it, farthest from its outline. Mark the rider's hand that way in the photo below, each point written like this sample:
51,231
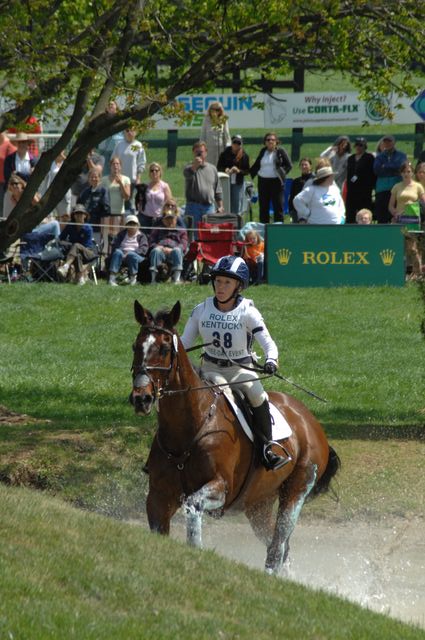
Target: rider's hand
270,367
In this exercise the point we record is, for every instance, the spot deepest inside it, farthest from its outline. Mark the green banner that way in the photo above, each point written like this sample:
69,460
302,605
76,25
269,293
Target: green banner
300,255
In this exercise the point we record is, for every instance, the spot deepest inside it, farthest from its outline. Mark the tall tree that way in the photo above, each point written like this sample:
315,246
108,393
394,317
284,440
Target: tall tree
56,54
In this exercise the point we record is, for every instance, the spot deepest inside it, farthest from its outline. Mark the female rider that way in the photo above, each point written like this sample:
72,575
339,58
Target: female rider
227,324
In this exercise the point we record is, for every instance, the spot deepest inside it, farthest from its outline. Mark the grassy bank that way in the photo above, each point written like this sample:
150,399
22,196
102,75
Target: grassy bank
65,360
68,574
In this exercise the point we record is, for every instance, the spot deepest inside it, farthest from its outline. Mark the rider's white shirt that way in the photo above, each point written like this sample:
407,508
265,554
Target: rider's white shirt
230,332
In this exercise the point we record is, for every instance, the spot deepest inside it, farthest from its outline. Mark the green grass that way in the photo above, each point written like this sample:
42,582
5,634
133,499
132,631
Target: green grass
65,360
68,574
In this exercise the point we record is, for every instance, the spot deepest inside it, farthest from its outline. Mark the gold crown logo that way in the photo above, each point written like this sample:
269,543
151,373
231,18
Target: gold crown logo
387,257
284,256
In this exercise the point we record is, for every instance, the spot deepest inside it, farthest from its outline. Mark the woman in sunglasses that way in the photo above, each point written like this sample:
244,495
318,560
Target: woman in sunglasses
271,166
150,198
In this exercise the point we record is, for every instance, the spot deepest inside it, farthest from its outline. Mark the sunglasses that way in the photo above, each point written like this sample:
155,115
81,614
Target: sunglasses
236,142
154,170
15,184
270,139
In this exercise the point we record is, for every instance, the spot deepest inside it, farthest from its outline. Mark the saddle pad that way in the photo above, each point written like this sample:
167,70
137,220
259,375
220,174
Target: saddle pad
280,427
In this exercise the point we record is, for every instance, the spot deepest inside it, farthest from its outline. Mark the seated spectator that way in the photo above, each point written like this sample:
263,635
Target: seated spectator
298,185
321,203
168,243
15,189
129,247
77,242
150,198
21,161
253,254
95,198
364,216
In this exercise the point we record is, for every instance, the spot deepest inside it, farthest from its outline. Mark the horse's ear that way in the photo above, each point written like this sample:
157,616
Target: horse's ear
175,313
140,314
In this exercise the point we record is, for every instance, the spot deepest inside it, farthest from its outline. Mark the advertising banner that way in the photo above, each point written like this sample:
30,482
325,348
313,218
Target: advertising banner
303,110
300,255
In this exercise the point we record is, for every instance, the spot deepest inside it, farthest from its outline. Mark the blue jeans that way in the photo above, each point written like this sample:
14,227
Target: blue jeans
132,260
174,258
196,211
49,227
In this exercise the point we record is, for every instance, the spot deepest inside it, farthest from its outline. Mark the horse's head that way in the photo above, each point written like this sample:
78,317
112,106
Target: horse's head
154,351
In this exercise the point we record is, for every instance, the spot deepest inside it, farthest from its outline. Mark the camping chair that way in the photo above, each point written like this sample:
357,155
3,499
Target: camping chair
214,242
40,255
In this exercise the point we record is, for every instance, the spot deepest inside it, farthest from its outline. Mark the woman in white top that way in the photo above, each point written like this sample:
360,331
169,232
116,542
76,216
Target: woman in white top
150,200
119,188
215,132
321,202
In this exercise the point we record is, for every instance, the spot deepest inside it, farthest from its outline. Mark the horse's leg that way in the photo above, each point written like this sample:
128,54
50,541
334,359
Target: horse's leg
261,519
209,497
160,510
292,496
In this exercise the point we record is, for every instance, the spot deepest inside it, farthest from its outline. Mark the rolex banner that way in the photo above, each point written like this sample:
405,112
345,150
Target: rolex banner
300,255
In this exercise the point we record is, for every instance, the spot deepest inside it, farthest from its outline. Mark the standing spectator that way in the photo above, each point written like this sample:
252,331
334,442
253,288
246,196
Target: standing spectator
202,186
271,165
77,241
298,185
321,203
63,207
215,131
95,198
235,162
20,161
130,248
133,160
387,169
150,198
93,161
119,189
106,147
361,180
168,243
6,149
338,155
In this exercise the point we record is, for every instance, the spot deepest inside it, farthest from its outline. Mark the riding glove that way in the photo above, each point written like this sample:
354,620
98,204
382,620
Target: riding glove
270,367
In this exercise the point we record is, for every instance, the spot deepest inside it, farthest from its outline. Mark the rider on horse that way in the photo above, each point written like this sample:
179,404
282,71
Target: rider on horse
227,324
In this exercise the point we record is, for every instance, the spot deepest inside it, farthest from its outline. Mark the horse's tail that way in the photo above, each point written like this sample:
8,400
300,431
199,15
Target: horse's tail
332,468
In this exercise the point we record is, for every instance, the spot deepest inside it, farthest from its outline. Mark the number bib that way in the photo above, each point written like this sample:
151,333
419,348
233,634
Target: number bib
228,331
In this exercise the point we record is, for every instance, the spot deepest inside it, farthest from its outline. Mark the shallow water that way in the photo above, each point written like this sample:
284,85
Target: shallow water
379,565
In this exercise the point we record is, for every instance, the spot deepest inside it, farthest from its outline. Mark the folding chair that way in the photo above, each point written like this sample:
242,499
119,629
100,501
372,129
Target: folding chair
214,242
38,258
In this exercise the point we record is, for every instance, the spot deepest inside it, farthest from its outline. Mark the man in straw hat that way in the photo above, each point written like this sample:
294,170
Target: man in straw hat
21,161
77,242
321,202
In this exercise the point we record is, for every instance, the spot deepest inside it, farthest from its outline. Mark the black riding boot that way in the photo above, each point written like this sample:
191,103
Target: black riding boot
263,430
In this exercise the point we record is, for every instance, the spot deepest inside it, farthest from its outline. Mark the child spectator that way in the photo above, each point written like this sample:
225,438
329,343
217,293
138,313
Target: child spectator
253,254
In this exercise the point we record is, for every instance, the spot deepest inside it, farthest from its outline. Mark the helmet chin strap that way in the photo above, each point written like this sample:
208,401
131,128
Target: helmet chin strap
234,294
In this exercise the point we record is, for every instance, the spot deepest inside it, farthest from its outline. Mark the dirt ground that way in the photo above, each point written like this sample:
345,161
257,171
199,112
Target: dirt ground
378,565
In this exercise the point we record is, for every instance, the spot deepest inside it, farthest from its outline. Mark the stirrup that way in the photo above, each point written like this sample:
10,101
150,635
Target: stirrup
273,461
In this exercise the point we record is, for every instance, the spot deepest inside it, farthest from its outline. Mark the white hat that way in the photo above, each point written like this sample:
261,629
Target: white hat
132,218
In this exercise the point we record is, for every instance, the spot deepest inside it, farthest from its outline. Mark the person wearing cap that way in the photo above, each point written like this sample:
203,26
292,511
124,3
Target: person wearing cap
338,155
76,239
321,202
361,180
235,162
228,324
271,165
386,167
168,244
20,161
129,247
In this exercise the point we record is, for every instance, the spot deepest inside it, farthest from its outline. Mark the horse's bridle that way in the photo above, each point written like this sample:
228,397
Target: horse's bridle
143,370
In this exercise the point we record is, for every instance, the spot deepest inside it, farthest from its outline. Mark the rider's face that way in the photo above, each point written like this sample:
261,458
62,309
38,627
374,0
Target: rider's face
224,287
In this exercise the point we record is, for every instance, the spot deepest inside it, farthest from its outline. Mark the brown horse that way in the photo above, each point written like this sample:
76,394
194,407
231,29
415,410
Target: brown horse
200,457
